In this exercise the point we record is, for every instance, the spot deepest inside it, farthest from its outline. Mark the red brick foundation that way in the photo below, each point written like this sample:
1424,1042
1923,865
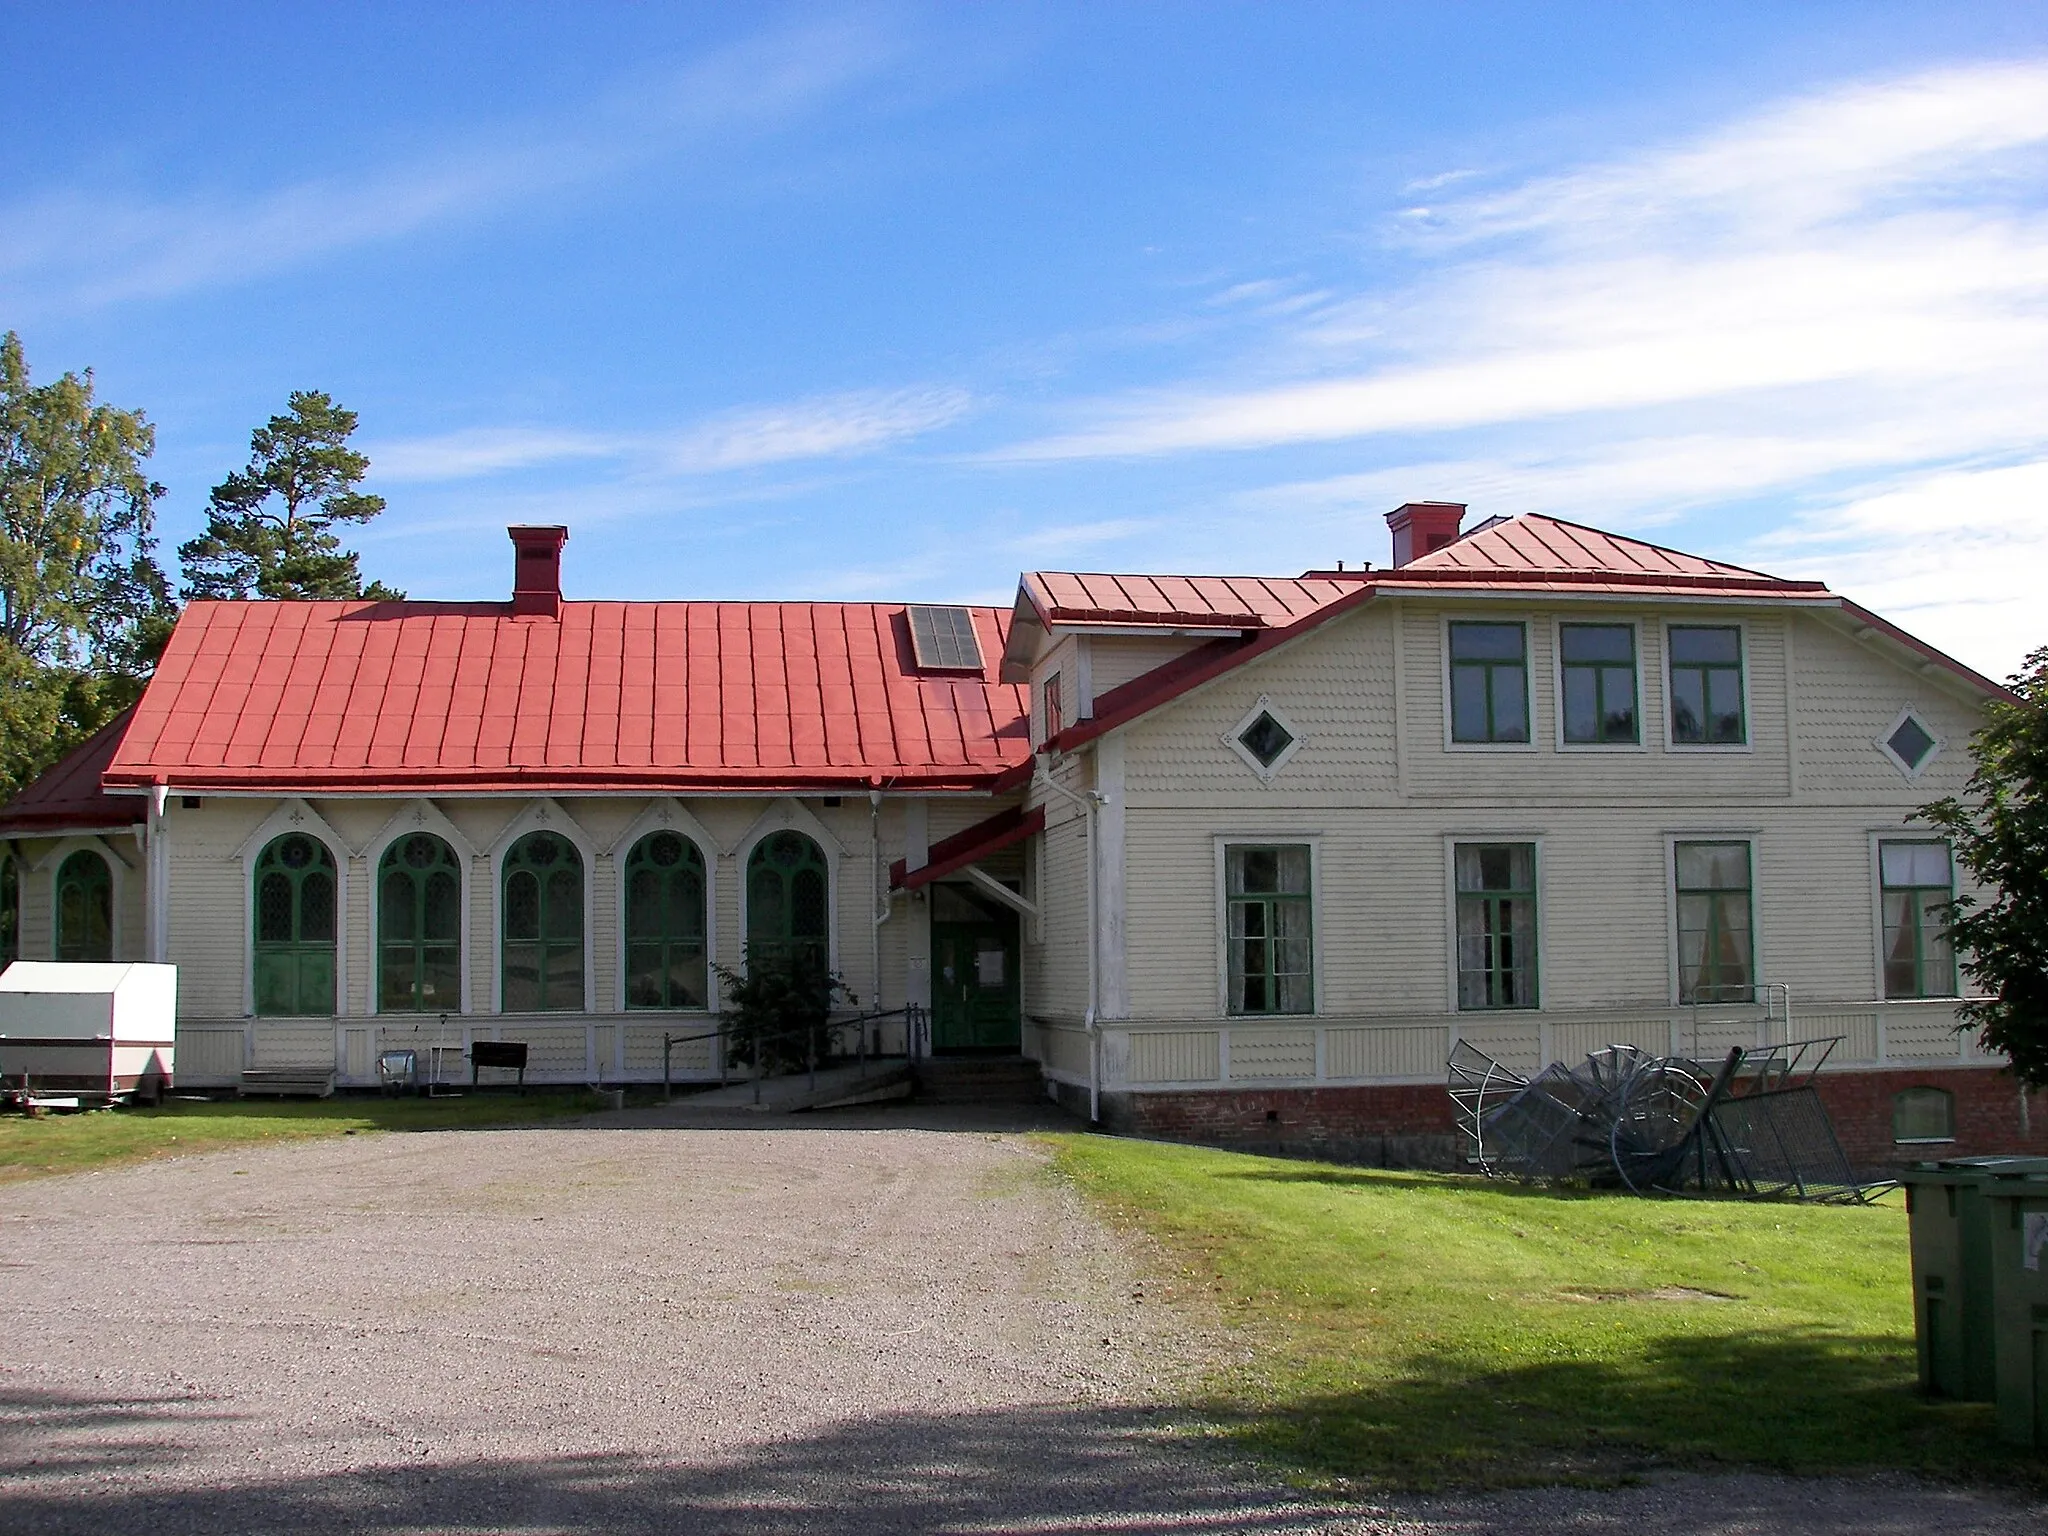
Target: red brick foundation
1989,1114
1411,1125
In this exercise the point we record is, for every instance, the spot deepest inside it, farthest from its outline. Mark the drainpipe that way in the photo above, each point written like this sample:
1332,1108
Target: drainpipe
1089,803
156,882
879,906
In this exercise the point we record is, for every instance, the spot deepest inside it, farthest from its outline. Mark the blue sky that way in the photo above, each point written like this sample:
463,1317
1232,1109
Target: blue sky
894,301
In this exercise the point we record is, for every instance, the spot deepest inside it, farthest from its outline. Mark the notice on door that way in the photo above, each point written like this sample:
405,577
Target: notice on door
2034,1239
988,967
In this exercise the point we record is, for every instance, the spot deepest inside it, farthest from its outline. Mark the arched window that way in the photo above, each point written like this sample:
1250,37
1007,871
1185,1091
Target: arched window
665,961
788,913
294,951
10,908
419,927
1923,1114
543,919
85,908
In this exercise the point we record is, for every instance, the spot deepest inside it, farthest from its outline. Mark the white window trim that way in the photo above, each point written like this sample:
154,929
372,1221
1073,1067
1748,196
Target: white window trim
1635,629
1883,742
1313,841
789,815
294,815
1265,771
1528,623
1754,838
542,815
667,814
54,861
420,815
1452,841
1747,747
1878,838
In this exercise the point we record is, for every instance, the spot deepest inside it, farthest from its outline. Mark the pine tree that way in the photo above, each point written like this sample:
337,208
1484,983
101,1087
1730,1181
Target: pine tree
270,525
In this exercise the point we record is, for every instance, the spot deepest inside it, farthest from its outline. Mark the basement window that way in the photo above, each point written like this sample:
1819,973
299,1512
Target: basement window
944,640
1923,1115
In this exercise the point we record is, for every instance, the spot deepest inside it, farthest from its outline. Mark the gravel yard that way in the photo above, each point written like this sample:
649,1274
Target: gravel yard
638,1324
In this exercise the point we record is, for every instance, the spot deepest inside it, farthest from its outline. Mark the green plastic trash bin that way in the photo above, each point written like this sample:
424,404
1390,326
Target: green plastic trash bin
1950,1223
2018,1203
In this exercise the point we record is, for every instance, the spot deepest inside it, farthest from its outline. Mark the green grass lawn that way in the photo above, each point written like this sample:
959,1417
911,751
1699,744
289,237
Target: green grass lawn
1416,1331
67,1143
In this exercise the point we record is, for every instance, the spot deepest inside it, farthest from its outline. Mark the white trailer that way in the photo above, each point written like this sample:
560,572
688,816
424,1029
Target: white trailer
100,1032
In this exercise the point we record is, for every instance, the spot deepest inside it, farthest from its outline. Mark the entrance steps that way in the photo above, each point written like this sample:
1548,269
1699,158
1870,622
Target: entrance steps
980,1080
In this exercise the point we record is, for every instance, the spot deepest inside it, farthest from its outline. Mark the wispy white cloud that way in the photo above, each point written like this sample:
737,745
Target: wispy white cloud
821,427
1880,238
825,426
1065,538
81,248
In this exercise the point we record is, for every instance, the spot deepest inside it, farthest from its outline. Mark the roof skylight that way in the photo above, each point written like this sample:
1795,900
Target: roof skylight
944,639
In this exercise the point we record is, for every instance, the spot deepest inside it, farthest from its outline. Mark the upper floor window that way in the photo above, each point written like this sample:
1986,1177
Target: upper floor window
665,912
1599,668
788,904
1270,960
1716,949
1496,925
1918,885
1055,709
419,927
295,928
1706,686
1489,683
543,932
10,908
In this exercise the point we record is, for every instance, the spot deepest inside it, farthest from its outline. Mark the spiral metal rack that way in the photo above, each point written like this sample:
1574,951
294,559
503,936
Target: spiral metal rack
1751,1126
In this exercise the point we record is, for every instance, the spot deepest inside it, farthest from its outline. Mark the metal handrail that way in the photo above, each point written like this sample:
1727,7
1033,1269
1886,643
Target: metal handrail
913,1015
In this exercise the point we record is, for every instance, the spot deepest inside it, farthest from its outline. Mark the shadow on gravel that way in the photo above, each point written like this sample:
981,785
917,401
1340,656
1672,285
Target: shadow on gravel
70,1464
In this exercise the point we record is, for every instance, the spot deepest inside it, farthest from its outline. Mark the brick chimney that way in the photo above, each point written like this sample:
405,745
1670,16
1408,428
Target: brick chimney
1424,527
537,570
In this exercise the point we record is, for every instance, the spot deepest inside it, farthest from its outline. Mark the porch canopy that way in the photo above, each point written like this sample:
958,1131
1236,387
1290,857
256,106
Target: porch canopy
952,854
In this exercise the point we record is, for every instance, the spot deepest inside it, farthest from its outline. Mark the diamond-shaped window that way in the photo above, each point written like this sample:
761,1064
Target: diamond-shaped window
1265,738
1910,742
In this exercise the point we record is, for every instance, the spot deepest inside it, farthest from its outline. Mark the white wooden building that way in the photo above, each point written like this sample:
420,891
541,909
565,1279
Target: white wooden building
1232,858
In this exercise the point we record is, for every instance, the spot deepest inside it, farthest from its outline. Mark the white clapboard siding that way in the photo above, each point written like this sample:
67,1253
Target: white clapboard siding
1176,1056
1272,1053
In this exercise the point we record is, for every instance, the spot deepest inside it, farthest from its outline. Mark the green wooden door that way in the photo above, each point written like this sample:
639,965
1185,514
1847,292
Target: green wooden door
975,991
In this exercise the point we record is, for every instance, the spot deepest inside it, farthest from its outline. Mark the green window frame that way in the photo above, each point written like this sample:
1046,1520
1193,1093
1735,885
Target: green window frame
10,909
789,902
1598,667
293,967
1716,932
85,908
541,926
1489,682
667,962
1270,927
419,926
1917,882
1496,884
1707,708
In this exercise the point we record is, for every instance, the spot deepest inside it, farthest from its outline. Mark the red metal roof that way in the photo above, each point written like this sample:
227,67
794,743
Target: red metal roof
418,697
971,845
67,796
1543,545
1179,602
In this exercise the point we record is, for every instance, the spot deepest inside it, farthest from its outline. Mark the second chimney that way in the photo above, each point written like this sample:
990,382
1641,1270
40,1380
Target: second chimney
1424,527
537,570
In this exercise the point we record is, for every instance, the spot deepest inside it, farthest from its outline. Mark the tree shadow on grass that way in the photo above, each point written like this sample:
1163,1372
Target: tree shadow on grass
1799,1400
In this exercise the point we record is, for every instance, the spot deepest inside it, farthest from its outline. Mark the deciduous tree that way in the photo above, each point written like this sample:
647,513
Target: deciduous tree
1999,830
84,606
270,525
